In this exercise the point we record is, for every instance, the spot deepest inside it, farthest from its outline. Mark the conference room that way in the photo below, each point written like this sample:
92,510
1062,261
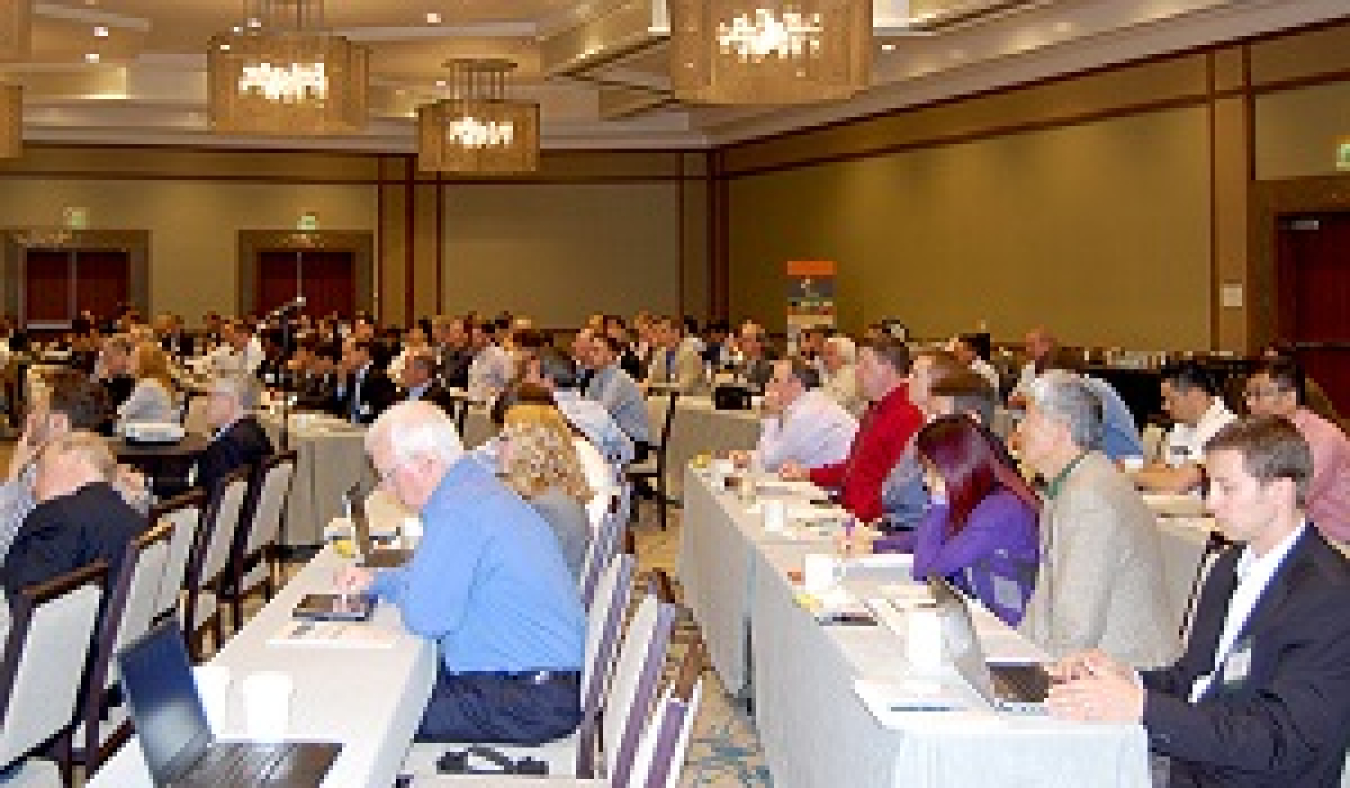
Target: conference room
680,392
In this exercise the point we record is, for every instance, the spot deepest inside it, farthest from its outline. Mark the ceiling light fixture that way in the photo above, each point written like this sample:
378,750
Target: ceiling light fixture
16,27
287,74
770,51
478,130
433,18
100,32
91,57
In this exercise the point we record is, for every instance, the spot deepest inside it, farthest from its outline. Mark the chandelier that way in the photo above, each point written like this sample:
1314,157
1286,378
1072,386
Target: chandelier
479,130
769,51
16,26
282,73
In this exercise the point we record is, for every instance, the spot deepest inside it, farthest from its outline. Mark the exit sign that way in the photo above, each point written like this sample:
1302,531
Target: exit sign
1343,155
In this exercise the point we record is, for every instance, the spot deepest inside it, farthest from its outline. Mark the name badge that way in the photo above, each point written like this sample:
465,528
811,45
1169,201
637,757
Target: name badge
1238,665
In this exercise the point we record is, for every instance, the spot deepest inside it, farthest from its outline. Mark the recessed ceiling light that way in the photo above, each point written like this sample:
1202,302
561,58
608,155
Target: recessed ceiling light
888,47
92,57
440,83
224,47
433,18
100,32
236,29
254,22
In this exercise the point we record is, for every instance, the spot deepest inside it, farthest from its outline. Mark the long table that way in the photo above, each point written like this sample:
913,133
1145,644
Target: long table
368,699
812,725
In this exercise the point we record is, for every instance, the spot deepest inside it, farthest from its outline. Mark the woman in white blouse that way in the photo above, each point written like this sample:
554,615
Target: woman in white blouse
152,400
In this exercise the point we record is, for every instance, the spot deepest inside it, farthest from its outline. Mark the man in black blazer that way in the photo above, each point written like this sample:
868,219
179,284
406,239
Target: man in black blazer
419,383
1261,696
79,517
366,391
237,439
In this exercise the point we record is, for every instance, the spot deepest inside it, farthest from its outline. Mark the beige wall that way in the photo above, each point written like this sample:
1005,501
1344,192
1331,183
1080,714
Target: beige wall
193,224
1297,130
1101,229
558,252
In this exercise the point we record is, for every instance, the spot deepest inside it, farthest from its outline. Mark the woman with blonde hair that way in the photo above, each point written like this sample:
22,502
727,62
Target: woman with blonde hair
540,462
152,400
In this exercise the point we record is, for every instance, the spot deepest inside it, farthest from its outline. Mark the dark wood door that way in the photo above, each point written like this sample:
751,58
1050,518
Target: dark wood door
59,283
102,280
1313,257
47,277
323,277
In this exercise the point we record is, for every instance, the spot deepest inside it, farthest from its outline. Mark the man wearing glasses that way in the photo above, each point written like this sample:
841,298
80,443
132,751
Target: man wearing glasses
1277,388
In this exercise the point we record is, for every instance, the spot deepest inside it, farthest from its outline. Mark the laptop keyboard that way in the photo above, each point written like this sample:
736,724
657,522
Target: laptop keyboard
1021,683
235,764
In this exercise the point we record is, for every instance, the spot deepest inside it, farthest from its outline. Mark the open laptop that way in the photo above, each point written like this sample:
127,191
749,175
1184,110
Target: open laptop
1020,688
371,556
176,739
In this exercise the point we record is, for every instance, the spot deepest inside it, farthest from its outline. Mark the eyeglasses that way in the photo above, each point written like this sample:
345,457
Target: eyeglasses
386,476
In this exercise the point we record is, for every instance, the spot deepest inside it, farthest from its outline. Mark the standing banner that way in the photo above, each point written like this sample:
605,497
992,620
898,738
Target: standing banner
810,296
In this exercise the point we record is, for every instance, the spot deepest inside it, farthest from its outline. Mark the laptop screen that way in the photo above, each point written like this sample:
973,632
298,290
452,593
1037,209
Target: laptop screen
960,639
168,714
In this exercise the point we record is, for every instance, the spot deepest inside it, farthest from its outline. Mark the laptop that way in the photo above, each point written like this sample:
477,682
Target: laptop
334,607
1018,688
176,739
371,556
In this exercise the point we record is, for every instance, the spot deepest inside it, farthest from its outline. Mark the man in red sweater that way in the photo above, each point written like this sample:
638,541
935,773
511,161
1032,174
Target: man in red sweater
887,426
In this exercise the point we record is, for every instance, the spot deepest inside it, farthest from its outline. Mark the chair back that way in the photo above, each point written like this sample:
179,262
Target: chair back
661,752
226,510
604,620
637,674
667,422
185,514
275,486
604,543
44,657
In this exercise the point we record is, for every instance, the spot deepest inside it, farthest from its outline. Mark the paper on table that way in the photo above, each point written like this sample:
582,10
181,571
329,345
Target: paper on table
884,561
336,634
894,703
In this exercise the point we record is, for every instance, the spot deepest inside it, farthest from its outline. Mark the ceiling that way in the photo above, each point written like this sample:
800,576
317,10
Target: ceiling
598,67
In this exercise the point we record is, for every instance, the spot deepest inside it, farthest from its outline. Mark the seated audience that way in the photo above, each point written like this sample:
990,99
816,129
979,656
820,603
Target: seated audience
904,498
152,400
540,462
754,356
973,350
1039,348
414,341
363,391
488,584
1261,695
237,439
1101,579
113,369
1120,434
980,529
1276,389
612,387
839,370
884,431
452,351
79,517
802,423
418,378
555,373
491,368
675,364
1191,398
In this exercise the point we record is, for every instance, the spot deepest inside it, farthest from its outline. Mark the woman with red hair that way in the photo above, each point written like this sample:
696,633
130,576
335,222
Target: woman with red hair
980,529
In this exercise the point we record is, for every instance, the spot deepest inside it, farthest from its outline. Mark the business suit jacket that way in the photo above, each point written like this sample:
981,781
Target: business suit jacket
454,366
685,375
376,393
436,395
93,523
1285,721
242,443
1101,579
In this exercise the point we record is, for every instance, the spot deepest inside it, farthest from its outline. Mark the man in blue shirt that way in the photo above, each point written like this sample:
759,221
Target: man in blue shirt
487,582
613,388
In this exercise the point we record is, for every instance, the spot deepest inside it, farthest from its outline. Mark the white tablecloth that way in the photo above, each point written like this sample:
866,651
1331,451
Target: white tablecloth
368,699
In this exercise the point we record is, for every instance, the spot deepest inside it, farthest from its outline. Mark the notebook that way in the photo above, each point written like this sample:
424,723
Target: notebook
371,556
174,735
1020,688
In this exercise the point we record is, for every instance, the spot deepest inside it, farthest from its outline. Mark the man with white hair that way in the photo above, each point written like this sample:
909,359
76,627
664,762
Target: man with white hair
839,378
487,582
237,439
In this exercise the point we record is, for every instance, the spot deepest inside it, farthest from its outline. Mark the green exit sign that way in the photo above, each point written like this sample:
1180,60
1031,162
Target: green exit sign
1343,155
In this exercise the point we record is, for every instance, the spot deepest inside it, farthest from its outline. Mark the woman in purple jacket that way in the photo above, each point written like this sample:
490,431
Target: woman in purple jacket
980,528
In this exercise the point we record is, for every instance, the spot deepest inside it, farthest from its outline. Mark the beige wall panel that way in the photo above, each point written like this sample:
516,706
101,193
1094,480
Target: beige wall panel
391,254
1132,86
1297,130
560,252
425,218
190,163
697,276
1100,230
193,225
1230,219
1301,55
1228,69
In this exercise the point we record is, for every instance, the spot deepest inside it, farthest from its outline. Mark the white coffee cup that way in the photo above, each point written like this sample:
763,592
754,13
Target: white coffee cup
775,515
821,572
267,705
718,471
923,639
213,687
1132,463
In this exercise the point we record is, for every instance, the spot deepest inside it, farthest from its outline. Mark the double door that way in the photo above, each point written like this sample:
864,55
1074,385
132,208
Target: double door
60,283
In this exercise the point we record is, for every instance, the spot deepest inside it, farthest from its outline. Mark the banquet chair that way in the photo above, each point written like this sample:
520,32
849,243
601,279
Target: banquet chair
612,725
208,574
652,470
44,656
130,606
658,760
253,561
604,543
185,513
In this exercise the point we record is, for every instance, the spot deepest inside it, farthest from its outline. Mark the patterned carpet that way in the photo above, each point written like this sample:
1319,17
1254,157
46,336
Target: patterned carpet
724,750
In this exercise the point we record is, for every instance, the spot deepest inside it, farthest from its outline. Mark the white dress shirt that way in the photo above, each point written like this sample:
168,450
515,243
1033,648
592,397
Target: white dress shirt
814,431
1186,444
1254,574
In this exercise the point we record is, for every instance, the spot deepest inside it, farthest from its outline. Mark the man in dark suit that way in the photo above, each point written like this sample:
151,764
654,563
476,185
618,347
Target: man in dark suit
419,383
452,351
79,517
237,438
1261,696
366,391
